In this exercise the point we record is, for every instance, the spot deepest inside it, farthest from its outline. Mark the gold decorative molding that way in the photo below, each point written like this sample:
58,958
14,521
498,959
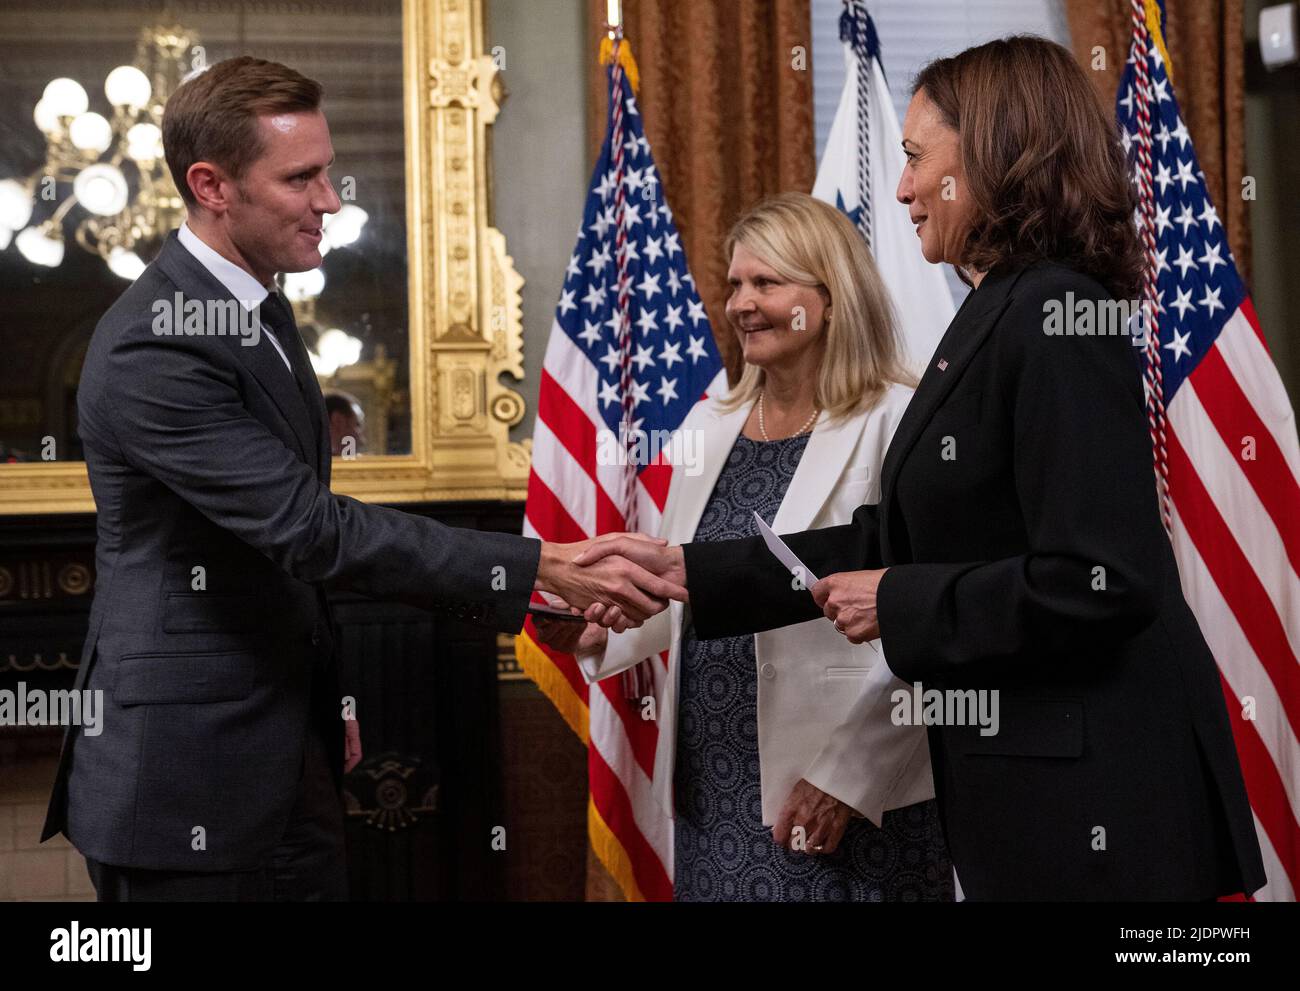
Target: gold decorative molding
466,317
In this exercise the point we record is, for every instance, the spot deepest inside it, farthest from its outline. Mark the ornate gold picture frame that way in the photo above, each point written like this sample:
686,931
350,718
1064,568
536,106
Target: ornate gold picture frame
466,324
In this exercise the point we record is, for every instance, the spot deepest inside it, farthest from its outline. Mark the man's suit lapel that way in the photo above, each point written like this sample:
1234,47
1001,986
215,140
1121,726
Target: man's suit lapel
196,282
968,330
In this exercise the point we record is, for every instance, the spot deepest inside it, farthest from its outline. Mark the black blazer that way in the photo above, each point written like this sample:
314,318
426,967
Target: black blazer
202,453
1021,466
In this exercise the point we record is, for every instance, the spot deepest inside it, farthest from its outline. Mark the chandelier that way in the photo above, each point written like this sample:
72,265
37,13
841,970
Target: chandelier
90,161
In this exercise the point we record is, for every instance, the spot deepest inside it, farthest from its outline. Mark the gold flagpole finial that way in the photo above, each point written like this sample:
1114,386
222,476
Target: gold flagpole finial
623,52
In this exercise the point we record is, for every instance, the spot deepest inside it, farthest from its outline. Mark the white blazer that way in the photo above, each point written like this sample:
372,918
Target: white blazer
823,703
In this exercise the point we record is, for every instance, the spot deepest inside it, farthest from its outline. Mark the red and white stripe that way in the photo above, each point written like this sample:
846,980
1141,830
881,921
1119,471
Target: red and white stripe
572,497
1236,535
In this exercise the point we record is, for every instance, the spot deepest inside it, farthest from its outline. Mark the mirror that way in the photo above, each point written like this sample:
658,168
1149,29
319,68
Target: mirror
413,315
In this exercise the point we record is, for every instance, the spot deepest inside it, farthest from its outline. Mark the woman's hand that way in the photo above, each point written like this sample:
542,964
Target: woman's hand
570,637
849,601
823,818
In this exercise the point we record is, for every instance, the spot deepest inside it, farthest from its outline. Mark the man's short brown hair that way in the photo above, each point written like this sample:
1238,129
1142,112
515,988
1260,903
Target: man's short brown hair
213,116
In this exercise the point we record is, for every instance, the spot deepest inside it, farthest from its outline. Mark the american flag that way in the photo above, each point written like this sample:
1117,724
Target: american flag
1227,461
630,350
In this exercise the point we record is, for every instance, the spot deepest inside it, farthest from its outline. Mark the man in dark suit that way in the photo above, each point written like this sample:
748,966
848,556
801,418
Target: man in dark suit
217,772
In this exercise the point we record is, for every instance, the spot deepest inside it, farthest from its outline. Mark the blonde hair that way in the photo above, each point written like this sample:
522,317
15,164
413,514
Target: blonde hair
811,243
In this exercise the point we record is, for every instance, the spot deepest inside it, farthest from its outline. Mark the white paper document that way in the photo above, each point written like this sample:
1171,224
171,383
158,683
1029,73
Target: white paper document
783,553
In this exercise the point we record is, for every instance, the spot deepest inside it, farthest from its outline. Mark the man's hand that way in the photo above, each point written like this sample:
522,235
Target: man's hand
608,577
351,744
849,601
823,818
654,556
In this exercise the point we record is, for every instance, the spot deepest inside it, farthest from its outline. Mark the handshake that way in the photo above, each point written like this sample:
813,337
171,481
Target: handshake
617,580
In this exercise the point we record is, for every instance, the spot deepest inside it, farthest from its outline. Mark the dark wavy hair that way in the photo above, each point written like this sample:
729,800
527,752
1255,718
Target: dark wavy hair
1042,159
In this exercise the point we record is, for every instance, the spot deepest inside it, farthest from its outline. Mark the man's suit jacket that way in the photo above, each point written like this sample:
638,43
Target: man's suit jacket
824,704
1019,524
204,454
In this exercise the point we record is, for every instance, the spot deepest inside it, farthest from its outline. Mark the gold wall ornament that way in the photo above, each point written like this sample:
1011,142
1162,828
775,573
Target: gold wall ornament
464,295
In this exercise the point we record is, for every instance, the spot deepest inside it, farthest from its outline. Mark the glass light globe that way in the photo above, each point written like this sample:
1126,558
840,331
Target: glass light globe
126,264
304,285
127,86
91,132
6,235
345,226
15,205
46,119
40,248
65,97
101,189
144,143
340,348
323,367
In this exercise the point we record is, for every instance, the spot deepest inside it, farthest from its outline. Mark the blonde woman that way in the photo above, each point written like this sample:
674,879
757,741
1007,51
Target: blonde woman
786,777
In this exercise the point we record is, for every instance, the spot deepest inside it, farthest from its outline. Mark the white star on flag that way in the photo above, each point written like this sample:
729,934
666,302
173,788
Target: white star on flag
590,333
1179,345
643,358
1211,256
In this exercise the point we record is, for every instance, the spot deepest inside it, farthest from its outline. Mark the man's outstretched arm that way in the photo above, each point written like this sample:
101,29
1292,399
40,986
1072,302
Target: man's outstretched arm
175,410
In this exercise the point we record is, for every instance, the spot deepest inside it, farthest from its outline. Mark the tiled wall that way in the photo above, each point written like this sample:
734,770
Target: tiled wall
31,870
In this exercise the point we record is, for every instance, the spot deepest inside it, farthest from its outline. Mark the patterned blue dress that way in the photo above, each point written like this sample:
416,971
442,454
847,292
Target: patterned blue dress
722,850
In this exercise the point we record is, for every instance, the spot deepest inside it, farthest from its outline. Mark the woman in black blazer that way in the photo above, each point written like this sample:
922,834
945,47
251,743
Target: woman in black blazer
1017,547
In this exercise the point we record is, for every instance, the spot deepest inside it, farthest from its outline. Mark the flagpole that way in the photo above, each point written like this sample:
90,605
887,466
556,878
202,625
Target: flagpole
614,25
1153,373
853,29
634,682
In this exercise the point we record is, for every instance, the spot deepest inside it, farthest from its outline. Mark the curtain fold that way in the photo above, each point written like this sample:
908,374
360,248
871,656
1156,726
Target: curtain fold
726,99
1207,46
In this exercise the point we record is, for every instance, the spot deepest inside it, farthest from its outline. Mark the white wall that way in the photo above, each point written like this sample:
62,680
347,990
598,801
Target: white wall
539,168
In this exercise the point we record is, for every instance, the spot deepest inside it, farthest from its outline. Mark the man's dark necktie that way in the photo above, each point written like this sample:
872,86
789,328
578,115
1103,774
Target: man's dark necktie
277,315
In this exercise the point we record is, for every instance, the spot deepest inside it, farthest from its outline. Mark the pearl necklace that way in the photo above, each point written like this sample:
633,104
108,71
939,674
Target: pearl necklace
762,427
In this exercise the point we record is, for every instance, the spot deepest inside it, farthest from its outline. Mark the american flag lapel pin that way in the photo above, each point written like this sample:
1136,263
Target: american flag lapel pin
943,364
